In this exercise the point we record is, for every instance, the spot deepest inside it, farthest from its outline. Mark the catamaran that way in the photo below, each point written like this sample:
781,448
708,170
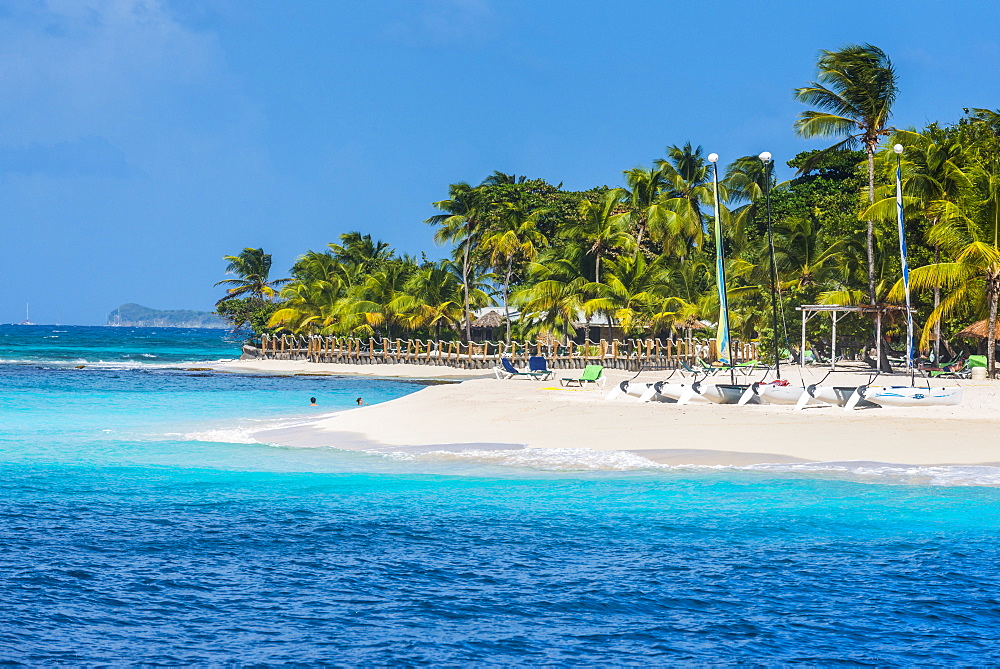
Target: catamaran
912,395
906,396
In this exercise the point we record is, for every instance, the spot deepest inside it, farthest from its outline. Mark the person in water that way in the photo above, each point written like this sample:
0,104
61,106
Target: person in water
360,402
312,402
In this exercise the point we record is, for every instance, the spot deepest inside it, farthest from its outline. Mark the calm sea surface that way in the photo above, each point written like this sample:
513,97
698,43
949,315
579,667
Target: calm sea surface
140,523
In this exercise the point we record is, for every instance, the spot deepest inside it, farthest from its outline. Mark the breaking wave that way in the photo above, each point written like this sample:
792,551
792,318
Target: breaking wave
586,460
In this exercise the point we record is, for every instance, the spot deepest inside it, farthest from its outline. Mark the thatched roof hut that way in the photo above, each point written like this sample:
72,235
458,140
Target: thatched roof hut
491,319
980,330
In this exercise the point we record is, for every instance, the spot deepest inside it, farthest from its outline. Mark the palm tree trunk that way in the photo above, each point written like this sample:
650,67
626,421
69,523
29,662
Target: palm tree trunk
993,292
937,301
465,289
883,362
506,287
871,228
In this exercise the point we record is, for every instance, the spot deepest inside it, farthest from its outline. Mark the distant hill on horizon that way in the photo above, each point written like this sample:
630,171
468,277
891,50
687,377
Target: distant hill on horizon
136,315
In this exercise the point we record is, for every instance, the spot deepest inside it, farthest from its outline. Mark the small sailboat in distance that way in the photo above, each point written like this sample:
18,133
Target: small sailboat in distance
27,318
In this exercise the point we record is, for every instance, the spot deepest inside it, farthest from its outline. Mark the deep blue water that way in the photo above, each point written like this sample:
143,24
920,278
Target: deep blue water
137,526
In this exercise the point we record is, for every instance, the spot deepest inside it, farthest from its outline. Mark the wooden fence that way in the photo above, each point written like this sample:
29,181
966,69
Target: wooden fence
632,354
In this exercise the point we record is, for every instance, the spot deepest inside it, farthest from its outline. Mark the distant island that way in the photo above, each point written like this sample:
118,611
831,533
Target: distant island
136,315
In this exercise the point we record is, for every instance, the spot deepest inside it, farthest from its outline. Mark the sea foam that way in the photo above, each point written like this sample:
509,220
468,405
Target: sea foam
582,459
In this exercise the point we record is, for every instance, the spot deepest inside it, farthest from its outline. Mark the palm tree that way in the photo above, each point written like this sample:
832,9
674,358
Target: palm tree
361,251
746,183
372,307
645,200
553,298
854,92
431,298
689,188
636,294
252,266
461,224
308,306
803,259
514,236
933,181
501,179
602,227
972,278
971,233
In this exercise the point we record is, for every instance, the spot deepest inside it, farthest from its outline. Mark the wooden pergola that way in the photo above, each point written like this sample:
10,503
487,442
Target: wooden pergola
838,311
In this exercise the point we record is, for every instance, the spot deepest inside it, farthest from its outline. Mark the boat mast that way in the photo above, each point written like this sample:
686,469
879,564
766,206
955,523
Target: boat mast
722,334
898,148
765,158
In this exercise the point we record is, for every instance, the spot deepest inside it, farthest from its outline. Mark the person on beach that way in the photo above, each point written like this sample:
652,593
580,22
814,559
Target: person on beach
312,402
360,402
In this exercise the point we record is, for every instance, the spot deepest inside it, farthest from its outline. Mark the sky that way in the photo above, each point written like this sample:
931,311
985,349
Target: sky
142,140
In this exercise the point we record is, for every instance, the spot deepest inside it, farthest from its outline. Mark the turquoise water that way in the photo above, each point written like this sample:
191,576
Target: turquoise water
140,523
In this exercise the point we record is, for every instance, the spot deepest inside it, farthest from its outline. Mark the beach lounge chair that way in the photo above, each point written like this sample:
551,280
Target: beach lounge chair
970,364
591,374
539,366
702,367
506,370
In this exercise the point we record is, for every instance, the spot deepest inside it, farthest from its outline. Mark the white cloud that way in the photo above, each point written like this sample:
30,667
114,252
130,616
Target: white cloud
445,23
79,68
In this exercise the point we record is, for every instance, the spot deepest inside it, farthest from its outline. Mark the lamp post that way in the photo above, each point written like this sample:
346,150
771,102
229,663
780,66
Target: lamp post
765,158
898,148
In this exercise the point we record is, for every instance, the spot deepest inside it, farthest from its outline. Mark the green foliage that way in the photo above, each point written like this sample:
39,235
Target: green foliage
247,314
639,257
252,268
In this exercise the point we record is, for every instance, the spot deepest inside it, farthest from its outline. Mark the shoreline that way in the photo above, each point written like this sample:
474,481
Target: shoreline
488,414
304,368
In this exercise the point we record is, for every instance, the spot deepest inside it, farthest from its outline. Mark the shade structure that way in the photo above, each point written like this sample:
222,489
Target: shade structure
491,319
980,329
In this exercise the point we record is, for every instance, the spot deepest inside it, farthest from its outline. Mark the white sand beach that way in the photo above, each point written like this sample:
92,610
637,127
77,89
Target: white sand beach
517,413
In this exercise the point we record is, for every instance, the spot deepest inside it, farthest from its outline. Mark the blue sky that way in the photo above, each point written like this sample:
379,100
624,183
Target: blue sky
143,140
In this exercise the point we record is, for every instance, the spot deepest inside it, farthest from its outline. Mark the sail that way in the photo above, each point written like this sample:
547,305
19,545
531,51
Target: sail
722,335
905,263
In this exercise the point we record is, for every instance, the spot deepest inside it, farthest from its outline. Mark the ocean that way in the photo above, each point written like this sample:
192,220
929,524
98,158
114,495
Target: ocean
141,523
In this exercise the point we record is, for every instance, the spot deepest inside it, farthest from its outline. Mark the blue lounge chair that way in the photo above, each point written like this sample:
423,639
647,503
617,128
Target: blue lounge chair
506,370
538,365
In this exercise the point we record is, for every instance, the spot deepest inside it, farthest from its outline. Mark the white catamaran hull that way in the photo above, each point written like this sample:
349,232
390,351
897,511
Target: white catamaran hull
644,392
722,393
772,394
682,393
908,396
837,395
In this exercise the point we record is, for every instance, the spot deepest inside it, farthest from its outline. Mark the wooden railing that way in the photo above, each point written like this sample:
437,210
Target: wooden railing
633,354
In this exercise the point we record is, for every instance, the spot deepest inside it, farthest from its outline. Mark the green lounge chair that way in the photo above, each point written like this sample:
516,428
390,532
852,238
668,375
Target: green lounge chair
966,371
591,374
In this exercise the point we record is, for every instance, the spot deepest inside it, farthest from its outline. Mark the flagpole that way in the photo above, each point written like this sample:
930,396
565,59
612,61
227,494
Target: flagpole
898,148
723,334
